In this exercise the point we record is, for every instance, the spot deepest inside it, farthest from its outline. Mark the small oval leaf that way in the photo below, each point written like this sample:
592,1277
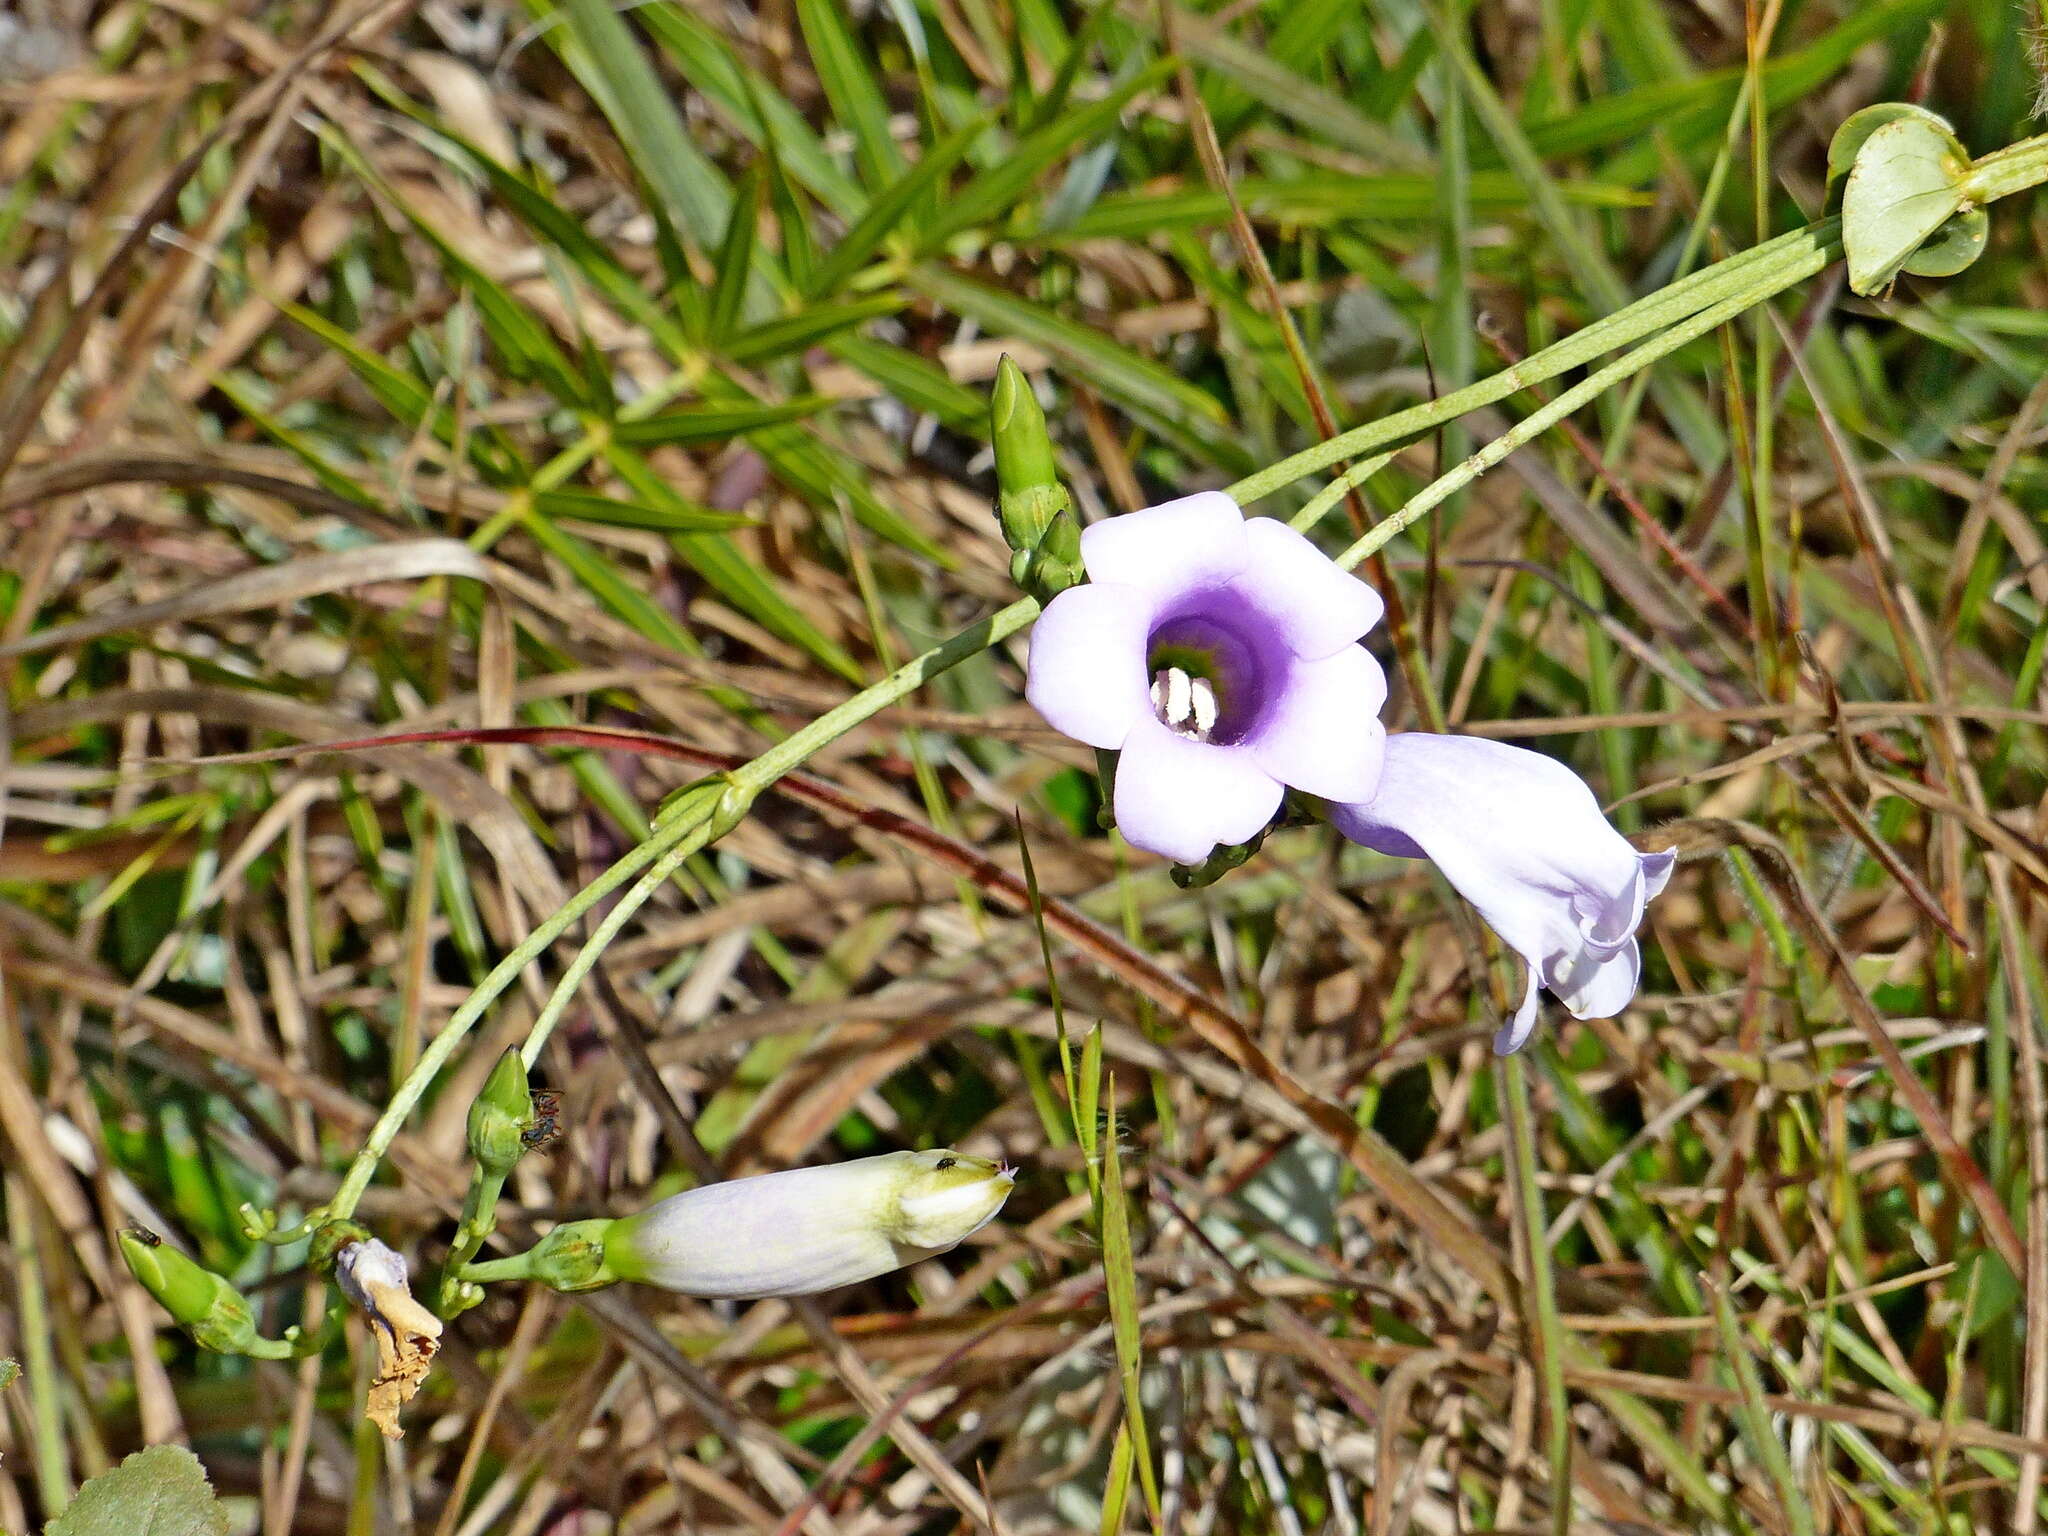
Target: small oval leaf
1952,247
1905,184
1857,128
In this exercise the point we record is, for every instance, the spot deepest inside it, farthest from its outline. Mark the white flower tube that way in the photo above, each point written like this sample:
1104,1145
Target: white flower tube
807,1229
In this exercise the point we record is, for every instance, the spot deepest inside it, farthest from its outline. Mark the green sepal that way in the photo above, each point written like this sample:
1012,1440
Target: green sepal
1219,863
328,1241
570,1258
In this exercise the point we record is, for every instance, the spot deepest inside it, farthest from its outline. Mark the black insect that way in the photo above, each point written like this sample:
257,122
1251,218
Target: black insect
545,1131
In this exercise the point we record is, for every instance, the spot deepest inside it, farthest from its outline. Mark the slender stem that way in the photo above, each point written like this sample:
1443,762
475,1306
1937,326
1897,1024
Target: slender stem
1746,273
437,1055
698,833
517,1266
2006,171
792,750
666,837
1540,421
1539,1312
479,1220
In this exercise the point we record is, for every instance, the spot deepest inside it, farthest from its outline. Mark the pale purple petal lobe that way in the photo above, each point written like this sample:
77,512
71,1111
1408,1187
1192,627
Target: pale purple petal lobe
1086,672
1514,1034
1318,606
1323,734
1179,797
1171,549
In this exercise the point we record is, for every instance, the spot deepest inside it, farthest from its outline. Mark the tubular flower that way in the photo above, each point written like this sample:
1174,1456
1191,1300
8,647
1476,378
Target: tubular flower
1520,836
1218,655
807,1229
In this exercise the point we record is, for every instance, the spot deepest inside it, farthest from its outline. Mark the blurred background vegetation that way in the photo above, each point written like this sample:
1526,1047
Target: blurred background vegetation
387,365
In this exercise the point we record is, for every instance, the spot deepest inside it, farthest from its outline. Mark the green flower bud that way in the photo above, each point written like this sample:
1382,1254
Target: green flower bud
501,1116
1030,494
200,1301
808,1229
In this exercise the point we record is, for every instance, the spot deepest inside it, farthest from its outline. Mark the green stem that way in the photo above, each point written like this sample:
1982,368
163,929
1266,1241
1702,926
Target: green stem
479,1220
1756,274
698,831
518,1266
2006,171
1782,275
1540,1319
665,839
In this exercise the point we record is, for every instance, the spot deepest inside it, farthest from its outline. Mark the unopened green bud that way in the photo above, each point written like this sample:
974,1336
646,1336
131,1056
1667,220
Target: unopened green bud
735,799
696,799
200,1301
501,1116
1030,494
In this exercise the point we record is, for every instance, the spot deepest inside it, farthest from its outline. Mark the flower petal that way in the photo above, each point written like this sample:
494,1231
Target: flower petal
1179,797
1599,986
1323,734
1170,549
1318,606
1086,672
1522,838
1514,1034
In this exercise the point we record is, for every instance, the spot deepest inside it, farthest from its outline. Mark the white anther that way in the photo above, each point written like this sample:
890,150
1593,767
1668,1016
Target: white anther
1185,705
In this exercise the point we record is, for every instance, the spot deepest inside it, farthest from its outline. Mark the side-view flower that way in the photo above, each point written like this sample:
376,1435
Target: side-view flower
1521,837
1217,655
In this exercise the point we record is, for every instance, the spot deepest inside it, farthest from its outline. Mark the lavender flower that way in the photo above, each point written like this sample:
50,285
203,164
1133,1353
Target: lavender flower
1521,837
1218,654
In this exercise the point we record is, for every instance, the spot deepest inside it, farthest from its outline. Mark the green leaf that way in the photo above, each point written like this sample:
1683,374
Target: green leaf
995,192
1163,400
606,57
162,1491
919,383
1905,184
857,101
762,114
793,333
736,578
888,209
736,256
715,423
679,516
1857,128
1952,247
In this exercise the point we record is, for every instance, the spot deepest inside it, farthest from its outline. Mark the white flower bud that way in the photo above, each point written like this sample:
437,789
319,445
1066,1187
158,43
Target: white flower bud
808,1229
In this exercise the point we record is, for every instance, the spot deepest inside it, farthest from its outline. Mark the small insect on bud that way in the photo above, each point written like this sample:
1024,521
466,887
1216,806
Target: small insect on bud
545,1130
501,1117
